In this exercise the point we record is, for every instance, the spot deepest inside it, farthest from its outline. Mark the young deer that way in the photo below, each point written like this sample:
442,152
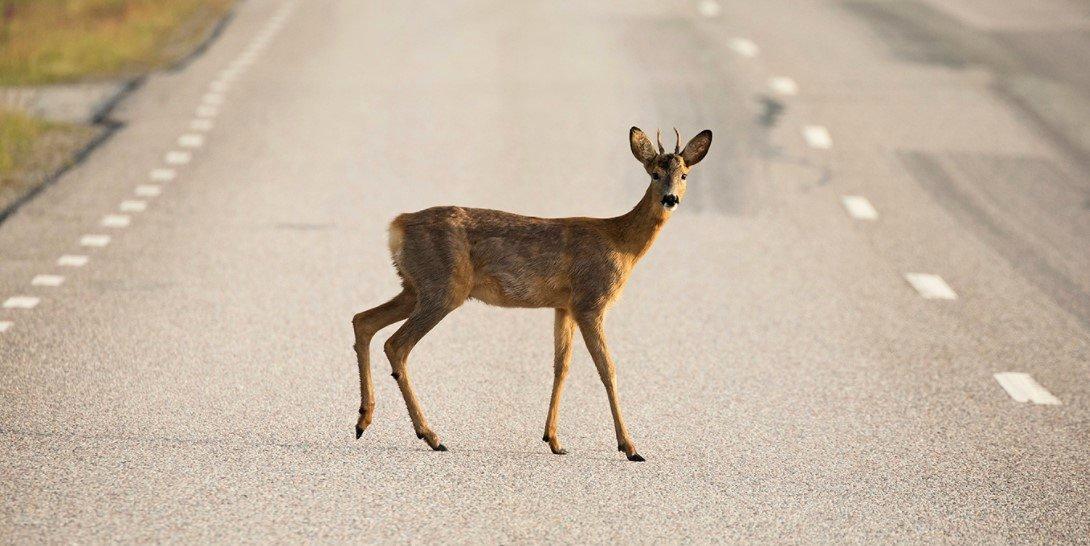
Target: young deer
577,266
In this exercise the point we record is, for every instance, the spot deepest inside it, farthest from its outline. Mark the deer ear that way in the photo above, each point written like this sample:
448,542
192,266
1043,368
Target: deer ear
641,146
697,148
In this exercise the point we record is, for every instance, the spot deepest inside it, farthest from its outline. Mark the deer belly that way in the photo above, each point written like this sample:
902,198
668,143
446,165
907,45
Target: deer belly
520,291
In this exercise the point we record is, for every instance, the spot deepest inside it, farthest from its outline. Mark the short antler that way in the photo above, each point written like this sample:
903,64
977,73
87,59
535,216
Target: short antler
658,137
677,147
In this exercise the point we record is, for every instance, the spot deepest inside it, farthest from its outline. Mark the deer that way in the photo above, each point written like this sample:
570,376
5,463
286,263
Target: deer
577,266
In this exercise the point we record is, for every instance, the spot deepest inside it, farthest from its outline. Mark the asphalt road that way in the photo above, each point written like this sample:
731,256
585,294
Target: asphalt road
194,380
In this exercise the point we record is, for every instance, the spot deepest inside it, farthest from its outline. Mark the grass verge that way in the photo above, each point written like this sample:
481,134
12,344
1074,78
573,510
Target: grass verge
32,149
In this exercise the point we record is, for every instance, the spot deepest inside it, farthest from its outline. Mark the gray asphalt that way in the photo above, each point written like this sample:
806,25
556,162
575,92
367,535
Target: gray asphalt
195,380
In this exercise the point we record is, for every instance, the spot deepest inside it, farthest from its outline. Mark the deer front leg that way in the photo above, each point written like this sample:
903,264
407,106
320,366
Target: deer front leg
592,327
562,334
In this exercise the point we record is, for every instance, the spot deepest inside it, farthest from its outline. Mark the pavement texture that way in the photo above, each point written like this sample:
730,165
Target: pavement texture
195,380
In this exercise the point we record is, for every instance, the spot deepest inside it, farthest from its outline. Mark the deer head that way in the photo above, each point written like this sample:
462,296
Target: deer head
668,171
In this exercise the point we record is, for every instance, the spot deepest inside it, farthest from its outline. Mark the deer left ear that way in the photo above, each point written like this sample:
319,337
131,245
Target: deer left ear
697,148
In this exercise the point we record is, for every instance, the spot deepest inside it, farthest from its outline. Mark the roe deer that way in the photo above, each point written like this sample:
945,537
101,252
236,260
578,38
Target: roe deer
577,266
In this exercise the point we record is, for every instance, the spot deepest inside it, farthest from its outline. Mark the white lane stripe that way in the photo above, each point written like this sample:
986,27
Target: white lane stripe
73,260
744,47
94,240
191,140
133,205
178,158
148,190
859,207
205,111
213,98
115,220
21,302
201,124
47,280
1023,388
218,86
783,85
163,175
5,325
709,8
931,287
817,137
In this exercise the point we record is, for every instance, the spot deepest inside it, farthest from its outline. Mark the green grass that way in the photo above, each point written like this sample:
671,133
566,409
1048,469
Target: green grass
17,136
50,41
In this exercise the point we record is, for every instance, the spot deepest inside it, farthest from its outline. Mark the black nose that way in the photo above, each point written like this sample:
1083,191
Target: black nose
670,200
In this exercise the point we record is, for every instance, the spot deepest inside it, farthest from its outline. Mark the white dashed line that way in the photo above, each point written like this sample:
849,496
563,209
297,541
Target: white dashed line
5,325
201,124
148,190
859,207
206,111
817,137
47,280
163,175
21,302
931,287
191,140
133,205
218,86
94,240
115,221
783,85
73,260
744,47
1022,388
214,99
178,158
709,8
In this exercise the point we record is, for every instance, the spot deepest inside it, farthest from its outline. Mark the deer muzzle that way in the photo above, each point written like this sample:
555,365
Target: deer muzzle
670,201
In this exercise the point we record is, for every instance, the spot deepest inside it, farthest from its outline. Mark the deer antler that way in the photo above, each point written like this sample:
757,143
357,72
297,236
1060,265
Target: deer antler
677,147
658,137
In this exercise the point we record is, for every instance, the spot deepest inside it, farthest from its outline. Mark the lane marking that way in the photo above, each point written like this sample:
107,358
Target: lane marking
133,205
859,207
709,8
783,85
163,175
115,221
201,124
73,260
5,325
47,280
21,302
94,240
148,190
213,98
219,86
191,140
178,158
817,137
206,111
1023,388
931,287
744,47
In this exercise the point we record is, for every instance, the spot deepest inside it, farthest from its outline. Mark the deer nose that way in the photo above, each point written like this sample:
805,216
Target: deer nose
670,200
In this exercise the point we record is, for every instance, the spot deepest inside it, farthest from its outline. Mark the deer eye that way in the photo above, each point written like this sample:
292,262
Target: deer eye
684,176
655,176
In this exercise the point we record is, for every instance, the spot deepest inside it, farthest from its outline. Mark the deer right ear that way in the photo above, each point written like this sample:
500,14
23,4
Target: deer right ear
641,146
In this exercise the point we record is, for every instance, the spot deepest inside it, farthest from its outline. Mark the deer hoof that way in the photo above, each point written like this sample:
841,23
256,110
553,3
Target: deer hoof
440,447
560,451
359,432
636,458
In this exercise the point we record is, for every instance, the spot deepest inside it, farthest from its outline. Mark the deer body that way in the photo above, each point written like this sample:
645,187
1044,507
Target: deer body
578,266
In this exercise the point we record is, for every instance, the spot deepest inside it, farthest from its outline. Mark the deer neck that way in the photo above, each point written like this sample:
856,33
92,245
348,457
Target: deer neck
635,231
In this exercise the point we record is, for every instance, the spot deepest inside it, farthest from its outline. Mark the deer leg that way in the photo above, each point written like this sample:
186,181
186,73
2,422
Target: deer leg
562,334
366,325
594,335
420,322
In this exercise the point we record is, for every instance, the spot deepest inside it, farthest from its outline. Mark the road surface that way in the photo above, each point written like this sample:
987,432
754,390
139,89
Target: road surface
192,377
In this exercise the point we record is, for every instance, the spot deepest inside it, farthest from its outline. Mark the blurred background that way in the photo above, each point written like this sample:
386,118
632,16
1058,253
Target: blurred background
868,321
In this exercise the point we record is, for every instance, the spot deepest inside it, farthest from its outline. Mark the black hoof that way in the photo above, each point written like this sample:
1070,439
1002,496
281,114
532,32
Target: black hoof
636,458
359,432
440,447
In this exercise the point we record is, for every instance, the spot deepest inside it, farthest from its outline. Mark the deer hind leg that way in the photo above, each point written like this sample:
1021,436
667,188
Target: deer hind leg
594,335
562,334
366,325
423,318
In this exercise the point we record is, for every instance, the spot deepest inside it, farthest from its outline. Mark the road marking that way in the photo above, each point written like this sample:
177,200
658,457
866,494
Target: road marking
206,111
709,8
191,140
73,260
21,302
94,240
783,85
744,47
214,99
859,207
5,325
47,280
163,175
178,158
148,190
219,86
133,205
817,137
201,124
931,287
1022,388
115,221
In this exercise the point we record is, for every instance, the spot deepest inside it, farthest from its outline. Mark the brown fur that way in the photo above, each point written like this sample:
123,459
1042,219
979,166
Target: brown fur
577,266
